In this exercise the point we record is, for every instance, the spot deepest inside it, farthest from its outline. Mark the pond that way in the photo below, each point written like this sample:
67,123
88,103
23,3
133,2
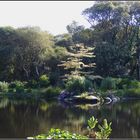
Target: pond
22,119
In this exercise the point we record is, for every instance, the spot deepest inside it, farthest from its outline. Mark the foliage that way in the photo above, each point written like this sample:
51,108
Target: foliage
132,93
127,83
18,86
108,83
64,40
78,84
110,47
104,133
105,130
84,36
74,27
78,62
44,80
32,84
26,49
115,35
4,86
59,134
50,92
92,122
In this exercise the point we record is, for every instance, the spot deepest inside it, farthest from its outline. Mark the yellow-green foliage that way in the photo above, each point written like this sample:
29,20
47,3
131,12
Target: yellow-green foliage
105,130
59,134
104,133
44,80
92,123
18,86
4,86
126,83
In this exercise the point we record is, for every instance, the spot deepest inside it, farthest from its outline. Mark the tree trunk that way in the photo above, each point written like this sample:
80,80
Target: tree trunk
132,70
37,72
26,72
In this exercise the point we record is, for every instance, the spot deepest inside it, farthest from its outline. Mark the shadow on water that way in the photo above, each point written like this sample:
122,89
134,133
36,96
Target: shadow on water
22,119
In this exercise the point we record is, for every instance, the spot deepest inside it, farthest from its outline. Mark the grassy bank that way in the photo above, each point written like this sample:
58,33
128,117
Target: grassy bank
78,85
121,87
40,89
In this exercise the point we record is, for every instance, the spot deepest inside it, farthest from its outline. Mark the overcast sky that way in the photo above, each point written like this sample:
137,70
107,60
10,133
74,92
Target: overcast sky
52,16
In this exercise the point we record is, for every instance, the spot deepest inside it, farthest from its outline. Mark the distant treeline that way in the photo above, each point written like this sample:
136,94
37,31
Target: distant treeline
27,53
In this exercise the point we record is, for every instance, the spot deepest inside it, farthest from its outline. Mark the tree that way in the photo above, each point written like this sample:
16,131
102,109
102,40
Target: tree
74,28
79,62
32,46
22,52
84,36
7,52
64,40
115,28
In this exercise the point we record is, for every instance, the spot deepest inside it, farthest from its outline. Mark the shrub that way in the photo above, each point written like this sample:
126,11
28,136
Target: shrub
105,128
108,83
44,81
120,93
103,132
135,93
134,84
59,134
4,86
51,92
126,83
18,85
32,84
78,84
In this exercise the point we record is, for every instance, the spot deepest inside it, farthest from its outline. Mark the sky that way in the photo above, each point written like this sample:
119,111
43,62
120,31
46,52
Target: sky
52,16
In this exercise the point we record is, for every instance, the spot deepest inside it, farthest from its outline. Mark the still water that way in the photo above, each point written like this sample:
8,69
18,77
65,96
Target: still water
21,119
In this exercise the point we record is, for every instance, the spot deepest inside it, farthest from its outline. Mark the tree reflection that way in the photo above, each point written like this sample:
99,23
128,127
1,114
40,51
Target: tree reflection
28,118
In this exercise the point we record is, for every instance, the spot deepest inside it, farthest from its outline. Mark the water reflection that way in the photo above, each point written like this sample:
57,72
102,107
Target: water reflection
22,119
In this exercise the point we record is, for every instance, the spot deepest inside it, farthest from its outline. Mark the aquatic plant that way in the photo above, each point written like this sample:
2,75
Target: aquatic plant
104,133
59,134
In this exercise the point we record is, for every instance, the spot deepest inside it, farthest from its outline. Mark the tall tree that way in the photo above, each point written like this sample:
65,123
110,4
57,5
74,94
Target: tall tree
79,62
115,33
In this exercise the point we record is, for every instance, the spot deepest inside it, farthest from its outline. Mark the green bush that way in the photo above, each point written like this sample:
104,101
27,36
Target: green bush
44,81
134,84
59,134
18,86
51,92
128,84
32,84
4,86
135,93
103,132
108,83
132,93
78,84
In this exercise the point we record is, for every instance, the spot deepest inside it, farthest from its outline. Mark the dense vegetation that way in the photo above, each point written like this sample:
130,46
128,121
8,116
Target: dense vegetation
103,59
80,60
